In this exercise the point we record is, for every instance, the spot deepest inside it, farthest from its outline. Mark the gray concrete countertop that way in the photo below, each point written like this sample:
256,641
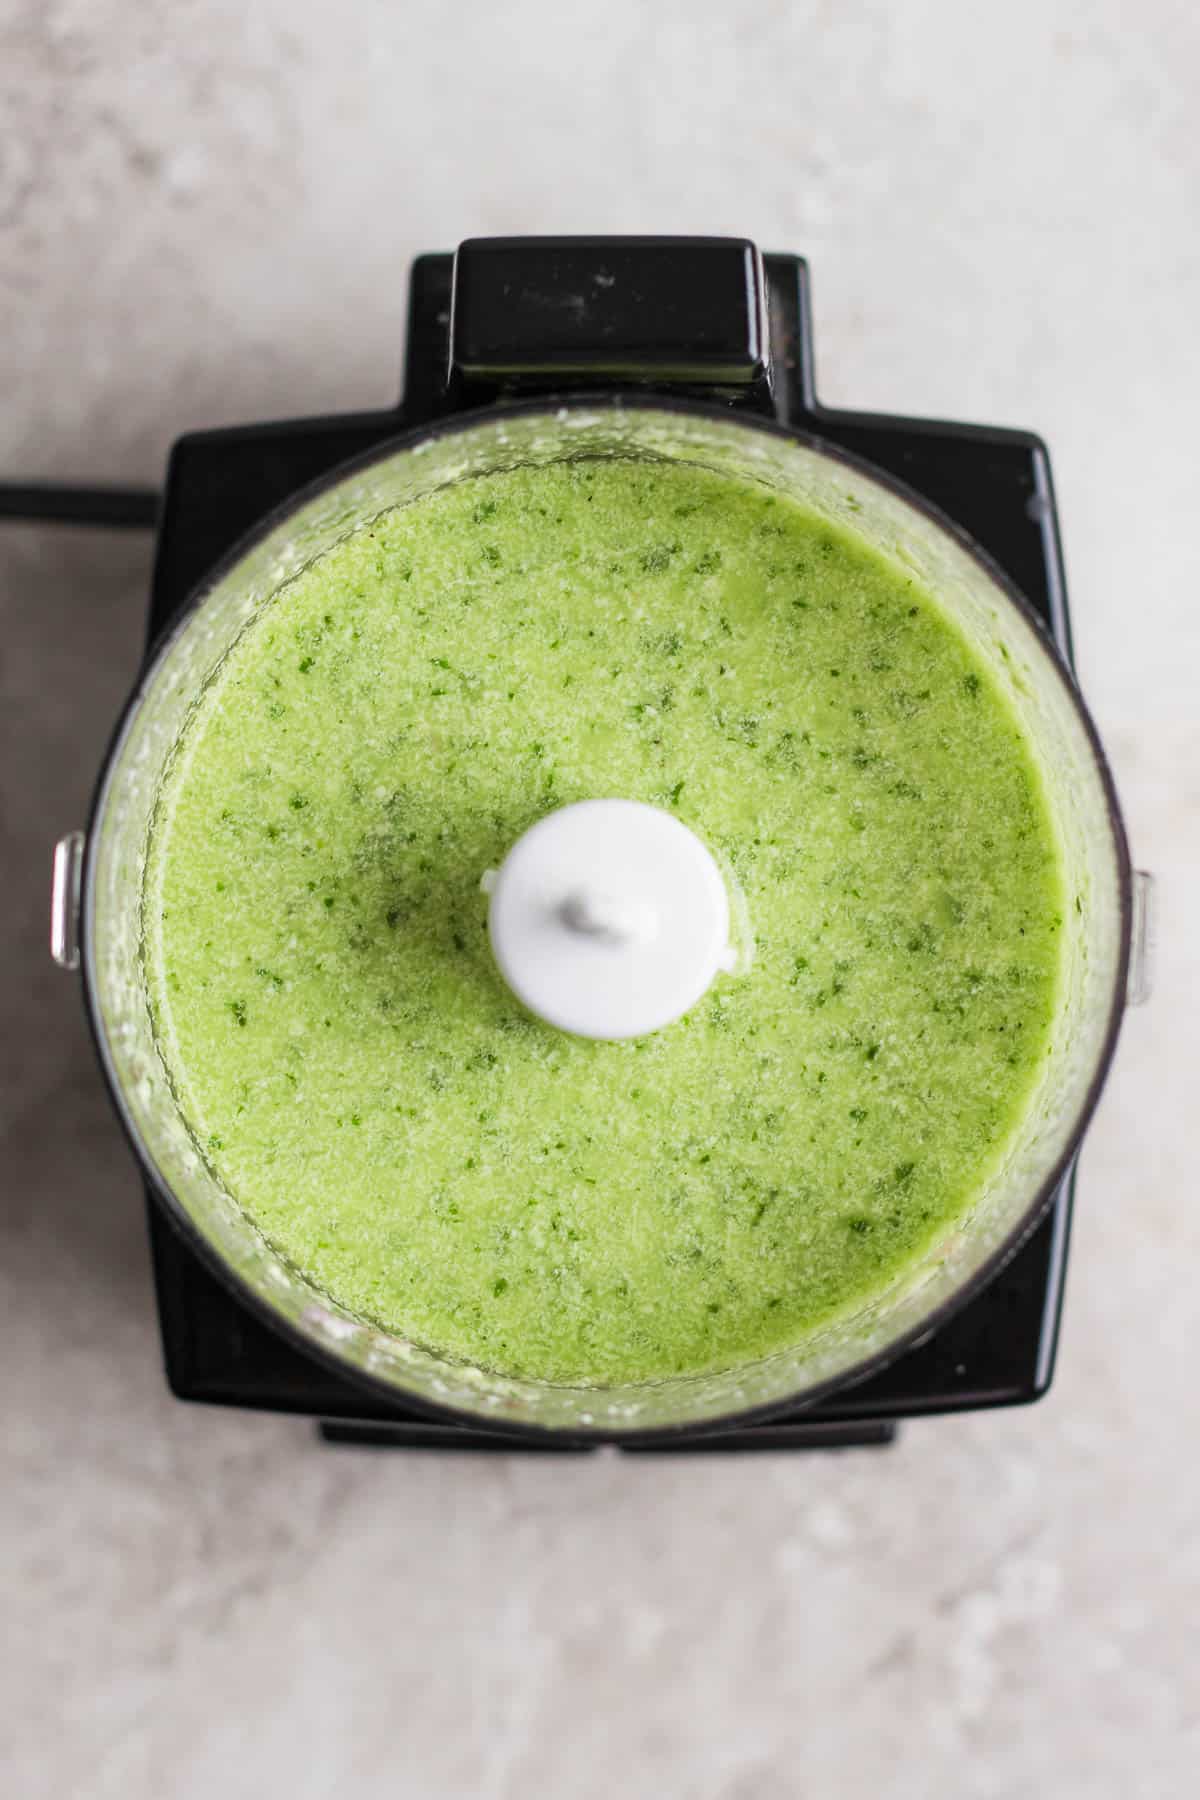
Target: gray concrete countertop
206,215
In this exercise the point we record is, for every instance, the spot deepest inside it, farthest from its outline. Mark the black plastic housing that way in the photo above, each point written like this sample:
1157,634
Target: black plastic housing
712,319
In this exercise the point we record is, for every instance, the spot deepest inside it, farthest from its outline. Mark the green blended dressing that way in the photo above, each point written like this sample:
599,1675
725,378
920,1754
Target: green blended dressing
353,1066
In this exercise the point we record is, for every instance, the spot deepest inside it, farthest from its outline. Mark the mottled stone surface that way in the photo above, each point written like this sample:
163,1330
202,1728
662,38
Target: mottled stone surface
206,215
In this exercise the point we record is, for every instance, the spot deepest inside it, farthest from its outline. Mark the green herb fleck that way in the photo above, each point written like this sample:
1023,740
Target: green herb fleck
657,558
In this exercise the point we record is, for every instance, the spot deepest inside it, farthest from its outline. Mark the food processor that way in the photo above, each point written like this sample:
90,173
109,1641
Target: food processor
531,351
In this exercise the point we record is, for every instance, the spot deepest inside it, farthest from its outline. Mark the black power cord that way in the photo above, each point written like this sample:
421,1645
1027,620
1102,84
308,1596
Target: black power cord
121,509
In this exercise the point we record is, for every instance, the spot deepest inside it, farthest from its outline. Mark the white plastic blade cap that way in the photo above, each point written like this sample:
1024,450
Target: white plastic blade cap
609,919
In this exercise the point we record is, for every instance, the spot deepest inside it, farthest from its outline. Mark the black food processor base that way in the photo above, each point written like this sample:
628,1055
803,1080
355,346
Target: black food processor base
701,317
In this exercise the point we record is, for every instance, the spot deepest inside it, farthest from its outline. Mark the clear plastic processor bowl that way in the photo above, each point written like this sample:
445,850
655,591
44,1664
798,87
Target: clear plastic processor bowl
1005,635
